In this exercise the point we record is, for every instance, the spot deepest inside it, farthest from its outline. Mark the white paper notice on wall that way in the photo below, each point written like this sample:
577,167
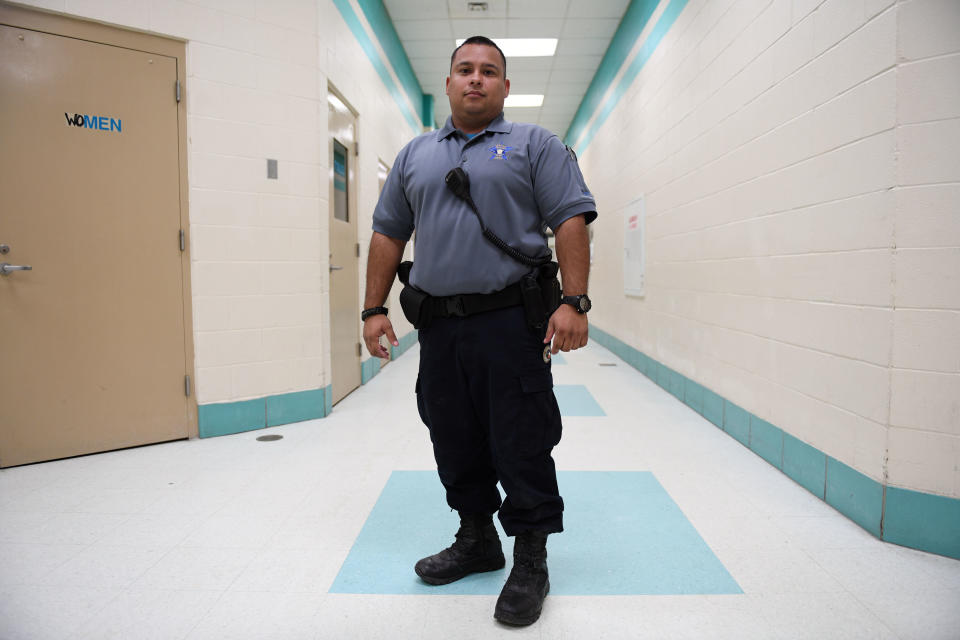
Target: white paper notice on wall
634,256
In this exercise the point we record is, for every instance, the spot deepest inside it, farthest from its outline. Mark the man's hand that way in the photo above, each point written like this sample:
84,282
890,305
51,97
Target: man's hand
567,329
373,328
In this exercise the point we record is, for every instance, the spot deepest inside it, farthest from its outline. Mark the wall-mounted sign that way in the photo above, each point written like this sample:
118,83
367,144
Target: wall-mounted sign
634,258
101,123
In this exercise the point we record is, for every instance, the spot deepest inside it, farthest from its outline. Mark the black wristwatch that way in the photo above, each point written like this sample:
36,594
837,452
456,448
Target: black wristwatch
581,303
372,311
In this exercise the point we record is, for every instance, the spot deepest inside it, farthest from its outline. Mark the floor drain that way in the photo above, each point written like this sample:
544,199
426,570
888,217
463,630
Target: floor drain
269,438
608,364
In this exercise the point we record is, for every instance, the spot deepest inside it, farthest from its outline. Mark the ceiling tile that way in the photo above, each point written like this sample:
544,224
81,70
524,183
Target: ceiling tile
582,46
460,9
528,82
541,64
522,114
416,9
536,8
591,27
534,27
491,28
597,8
423,29
576,62
428,48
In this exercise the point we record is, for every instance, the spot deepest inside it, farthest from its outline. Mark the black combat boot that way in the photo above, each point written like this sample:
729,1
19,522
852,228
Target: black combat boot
476,549
521,600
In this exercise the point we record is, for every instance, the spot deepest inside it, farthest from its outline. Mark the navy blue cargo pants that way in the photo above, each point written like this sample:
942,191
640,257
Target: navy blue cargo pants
486,395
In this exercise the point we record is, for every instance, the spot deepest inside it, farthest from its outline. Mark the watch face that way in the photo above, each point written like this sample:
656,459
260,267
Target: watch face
585,304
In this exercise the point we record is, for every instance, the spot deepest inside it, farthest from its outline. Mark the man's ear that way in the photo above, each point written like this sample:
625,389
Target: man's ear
506,85
446,86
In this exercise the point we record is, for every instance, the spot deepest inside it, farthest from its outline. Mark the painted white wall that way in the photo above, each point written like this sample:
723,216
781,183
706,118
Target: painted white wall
256,87
799,164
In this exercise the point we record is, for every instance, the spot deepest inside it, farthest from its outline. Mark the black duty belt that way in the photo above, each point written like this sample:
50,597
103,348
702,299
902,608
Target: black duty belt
473,303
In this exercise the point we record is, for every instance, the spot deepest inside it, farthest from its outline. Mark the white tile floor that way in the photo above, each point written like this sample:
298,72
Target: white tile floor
233,538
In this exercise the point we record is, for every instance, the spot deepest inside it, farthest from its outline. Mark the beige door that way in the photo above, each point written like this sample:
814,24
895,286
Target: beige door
344,254
94,346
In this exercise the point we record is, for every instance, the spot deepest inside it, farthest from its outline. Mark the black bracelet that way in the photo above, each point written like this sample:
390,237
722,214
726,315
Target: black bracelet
372,311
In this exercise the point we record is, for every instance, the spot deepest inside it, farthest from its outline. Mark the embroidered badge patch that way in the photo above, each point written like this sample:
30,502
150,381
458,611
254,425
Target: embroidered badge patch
499,152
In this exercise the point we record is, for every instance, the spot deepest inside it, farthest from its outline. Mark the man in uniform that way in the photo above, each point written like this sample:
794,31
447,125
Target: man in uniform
484,389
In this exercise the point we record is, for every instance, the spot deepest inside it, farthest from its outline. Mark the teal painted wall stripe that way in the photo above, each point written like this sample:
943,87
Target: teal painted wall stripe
909,518
225,418
383,28
631,26
581,139
356,27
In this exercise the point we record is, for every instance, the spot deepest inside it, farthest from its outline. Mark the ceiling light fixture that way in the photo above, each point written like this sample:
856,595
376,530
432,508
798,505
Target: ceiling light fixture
521,100
523,47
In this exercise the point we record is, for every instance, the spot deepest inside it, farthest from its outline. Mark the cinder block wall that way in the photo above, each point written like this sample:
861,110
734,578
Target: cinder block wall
800,168
256,88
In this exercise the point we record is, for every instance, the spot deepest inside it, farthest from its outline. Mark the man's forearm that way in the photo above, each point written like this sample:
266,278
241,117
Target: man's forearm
573,255
382,262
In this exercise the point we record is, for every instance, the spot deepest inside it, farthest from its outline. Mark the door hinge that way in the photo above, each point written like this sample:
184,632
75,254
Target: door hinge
183,241
186,385
358,249
356,148
177,90
358,349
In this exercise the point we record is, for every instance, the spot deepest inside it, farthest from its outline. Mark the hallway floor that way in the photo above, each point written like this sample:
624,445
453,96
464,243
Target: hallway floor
673,530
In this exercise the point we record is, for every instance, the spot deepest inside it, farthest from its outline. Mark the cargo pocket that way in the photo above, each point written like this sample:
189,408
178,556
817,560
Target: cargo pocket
421,408
539,428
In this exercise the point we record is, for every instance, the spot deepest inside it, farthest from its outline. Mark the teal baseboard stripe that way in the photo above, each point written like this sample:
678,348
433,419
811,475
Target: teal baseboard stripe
231,417
736,422
766,441
909,518
855,495
805,465
225,418
296,407
368,369
922,521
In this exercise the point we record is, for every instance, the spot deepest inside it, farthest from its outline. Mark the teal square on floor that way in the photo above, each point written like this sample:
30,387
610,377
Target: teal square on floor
623,535
576,400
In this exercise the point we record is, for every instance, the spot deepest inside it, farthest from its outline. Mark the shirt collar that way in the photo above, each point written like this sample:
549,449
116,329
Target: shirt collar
497,125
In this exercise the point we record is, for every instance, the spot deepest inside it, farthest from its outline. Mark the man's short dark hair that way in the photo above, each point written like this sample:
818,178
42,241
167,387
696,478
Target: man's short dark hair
484,41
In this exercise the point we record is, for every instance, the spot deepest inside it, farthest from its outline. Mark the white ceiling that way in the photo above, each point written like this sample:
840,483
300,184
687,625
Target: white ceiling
428,30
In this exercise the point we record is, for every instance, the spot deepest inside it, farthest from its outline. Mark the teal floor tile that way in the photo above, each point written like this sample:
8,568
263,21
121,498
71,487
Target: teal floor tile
576,400
623,535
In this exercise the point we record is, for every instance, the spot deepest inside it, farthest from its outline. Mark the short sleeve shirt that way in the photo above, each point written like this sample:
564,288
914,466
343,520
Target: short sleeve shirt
522,178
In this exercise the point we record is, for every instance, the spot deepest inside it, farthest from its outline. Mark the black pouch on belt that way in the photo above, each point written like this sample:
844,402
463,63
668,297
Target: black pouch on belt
415,303
416,307
533,307
549,286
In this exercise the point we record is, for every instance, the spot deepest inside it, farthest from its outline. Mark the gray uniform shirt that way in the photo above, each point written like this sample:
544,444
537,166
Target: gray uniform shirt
521,177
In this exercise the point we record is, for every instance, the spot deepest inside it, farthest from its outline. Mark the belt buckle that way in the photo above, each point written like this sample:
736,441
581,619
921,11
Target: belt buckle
454,306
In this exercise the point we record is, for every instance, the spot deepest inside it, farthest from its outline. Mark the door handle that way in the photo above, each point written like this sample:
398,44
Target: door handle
334,267
6,268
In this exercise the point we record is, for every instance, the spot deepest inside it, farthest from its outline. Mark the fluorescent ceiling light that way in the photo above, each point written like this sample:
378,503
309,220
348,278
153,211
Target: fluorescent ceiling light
521,100
523,47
